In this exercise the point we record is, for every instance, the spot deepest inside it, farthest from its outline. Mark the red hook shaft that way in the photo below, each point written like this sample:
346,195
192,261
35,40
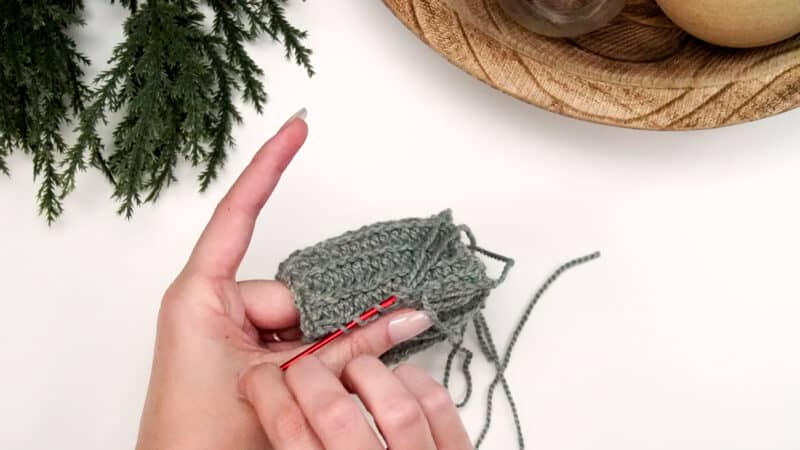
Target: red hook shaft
329,338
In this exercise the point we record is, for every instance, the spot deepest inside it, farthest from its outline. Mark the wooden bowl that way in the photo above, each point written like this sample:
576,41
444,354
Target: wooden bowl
640,71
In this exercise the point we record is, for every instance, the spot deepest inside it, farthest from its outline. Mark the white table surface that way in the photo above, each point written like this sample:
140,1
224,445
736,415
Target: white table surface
683,336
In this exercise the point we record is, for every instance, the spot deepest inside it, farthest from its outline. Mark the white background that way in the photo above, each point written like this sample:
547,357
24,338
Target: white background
682,336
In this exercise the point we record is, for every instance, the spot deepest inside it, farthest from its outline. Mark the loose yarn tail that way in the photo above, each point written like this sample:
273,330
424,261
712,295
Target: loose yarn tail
488,348
508,263
465,364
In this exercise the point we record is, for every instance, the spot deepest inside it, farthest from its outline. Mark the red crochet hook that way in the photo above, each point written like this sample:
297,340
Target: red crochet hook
327,339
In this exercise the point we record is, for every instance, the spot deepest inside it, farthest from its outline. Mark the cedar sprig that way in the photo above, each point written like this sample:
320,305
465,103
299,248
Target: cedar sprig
167,76
281,30
41,81
175,82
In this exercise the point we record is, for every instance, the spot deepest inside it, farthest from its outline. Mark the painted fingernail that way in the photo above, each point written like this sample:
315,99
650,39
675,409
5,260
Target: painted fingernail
298,115
408,325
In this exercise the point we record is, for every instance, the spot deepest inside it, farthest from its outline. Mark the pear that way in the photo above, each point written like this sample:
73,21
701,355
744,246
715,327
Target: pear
736,23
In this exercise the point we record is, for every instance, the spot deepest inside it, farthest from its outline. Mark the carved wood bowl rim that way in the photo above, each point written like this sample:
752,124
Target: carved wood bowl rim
696,86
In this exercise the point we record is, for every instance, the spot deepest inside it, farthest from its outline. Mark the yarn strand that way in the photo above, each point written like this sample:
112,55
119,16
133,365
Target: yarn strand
489,350
457,342
508,263
465,370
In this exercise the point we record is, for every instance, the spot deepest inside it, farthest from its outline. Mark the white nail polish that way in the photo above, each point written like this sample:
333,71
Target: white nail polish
408,325
298,115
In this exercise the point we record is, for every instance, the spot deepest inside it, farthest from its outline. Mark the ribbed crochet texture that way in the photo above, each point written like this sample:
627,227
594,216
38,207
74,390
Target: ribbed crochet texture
430,264
422,261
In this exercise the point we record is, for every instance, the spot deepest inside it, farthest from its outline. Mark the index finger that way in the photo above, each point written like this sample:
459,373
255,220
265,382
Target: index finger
221,247
281,418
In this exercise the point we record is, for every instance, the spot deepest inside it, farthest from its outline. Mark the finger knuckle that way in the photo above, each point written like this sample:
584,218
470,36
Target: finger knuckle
337,414
436,399
173,293
171,309
358,345
348,374
224,205
182,288
403,414
233,206
359,364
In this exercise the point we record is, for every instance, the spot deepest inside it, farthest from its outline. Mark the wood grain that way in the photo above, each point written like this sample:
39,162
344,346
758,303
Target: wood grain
640,71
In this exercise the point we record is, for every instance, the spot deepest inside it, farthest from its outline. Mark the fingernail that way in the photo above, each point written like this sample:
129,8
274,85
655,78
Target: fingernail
408,325
298,115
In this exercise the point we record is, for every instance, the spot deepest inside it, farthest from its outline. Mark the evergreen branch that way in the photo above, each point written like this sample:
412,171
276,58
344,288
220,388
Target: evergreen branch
291,36
228,26
161,176
160,76
220,124
149,138
6,147
45,167
88,139
40,77
132,5
173,79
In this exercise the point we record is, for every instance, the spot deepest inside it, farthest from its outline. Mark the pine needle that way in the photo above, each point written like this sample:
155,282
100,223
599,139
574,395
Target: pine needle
40,78
173,80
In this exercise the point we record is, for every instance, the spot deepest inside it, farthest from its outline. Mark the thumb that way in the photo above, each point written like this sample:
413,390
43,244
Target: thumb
375,338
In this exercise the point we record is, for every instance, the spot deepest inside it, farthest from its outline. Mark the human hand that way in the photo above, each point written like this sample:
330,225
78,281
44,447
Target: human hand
211,328
310,407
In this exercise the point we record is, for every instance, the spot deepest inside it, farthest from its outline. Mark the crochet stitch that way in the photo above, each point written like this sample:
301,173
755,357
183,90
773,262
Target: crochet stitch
427,264
422,261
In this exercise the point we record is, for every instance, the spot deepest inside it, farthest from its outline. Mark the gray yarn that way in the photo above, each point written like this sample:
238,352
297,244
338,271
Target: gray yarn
427,265
422,261
489,349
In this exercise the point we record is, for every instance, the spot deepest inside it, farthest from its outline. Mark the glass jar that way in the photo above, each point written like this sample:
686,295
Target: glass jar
562,18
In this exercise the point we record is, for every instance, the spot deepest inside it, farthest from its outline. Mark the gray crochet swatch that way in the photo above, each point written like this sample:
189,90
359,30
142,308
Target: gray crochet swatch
430,264
425,262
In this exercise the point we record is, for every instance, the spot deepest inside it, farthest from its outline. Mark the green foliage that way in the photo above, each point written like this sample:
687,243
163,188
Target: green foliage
174,81
40,79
